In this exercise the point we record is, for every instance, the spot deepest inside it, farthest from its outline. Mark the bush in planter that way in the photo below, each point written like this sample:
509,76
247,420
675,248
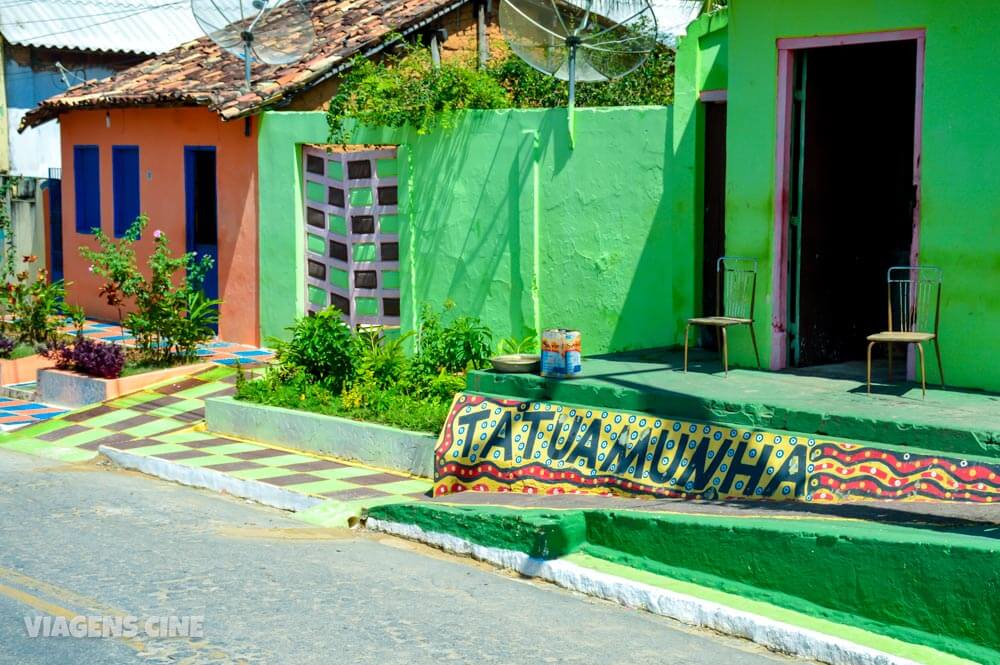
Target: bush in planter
99,359
326,369
320,349
30,305
172,316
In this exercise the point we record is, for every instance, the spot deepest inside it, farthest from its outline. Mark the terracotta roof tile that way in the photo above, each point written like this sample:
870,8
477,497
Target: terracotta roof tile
199,73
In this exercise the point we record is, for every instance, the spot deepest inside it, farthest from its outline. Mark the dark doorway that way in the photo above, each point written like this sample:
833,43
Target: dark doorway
202,210
55,229
852,193
714,217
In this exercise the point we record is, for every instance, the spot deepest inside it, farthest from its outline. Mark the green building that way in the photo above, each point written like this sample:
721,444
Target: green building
830,141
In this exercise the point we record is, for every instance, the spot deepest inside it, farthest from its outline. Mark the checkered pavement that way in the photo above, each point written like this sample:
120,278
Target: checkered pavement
165,422
217,351
17,413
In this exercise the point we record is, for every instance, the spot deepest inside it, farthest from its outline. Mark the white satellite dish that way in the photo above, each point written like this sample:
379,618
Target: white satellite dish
580,40
275,32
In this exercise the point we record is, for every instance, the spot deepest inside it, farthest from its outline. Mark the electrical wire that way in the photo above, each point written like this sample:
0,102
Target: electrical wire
110,20
94,15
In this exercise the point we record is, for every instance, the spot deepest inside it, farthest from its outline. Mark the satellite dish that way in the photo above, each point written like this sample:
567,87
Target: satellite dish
275,32
580,40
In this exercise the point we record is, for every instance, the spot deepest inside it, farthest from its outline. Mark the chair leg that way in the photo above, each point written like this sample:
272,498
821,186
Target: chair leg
687,330
869,373
753,340
725,351
937,350
890,364
923,372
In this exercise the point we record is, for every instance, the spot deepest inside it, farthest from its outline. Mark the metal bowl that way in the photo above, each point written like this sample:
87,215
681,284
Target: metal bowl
517,363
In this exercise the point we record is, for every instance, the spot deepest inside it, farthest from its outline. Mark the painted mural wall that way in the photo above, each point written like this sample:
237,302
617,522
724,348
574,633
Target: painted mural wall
500,216
161,136
960,166
492,444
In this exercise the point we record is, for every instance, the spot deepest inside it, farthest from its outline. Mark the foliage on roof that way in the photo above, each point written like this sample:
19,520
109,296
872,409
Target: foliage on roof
405,90
199,73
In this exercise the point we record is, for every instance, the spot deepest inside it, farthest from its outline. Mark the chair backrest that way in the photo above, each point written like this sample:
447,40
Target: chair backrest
735,287
914,298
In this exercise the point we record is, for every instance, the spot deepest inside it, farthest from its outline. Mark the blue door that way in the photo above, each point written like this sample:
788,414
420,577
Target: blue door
202,210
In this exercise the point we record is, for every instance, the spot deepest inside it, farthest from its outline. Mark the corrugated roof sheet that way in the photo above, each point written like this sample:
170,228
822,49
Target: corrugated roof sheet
128,26
199,73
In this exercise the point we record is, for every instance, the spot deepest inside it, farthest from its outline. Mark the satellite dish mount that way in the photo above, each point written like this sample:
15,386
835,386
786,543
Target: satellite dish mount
580,40
275,32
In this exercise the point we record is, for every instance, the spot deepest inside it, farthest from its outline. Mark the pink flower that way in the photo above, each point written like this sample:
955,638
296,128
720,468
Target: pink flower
90,268
157,233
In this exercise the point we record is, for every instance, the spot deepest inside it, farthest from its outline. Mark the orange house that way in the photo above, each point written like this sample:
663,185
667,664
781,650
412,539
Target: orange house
175,138
194,175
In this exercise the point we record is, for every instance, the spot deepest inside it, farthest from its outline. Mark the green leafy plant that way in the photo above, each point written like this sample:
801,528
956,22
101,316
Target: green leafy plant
383,357
406,89
76,317
366,375
454,347
513,345
31,304
651,84
170,314
320,349
34,305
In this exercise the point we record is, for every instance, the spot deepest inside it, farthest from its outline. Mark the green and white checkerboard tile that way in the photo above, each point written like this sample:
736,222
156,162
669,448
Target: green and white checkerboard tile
165,421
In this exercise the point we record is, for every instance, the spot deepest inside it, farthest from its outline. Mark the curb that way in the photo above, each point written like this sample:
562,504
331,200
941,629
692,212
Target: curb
774,635
373,444
255,490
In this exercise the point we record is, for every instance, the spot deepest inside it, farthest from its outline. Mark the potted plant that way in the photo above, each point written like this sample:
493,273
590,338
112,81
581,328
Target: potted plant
517,356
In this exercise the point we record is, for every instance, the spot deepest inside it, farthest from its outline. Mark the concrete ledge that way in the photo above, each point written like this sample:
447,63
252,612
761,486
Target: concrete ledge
255,490
62,388
948,421
775,635
930,592
22,370
368,443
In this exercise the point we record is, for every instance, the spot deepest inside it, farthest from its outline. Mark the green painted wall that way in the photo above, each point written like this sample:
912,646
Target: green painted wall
925,586
701,64
503,218
960,159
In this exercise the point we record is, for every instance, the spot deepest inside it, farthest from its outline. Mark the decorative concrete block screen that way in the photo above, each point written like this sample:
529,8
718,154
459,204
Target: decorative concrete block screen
352,234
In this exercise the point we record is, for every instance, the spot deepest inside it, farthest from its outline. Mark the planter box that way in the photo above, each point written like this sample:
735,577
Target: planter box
62,388
22,370
368,443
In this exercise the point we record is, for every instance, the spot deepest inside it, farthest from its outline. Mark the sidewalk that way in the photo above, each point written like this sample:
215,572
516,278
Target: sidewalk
165,423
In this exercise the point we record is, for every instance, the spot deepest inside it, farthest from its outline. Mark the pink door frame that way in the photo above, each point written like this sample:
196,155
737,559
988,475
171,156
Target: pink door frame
786,58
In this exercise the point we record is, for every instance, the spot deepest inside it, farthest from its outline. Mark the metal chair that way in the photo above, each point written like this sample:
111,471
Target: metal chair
735,295
914,314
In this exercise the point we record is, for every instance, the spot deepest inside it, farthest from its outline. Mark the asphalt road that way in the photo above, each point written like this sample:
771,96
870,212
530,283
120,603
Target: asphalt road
86,540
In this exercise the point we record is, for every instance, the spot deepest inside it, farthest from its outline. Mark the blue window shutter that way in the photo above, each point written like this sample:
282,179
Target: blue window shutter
125,174
87,186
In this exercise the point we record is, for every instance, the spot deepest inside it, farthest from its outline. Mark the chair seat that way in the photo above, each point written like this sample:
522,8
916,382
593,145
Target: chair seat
902,337
719,321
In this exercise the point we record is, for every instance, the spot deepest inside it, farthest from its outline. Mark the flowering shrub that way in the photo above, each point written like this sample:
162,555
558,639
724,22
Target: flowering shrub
30,305
171,315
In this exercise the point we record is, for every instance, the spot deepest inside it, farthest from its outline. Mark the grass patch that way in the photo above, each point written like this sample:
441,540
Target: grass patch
386,407
22,351
137,364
